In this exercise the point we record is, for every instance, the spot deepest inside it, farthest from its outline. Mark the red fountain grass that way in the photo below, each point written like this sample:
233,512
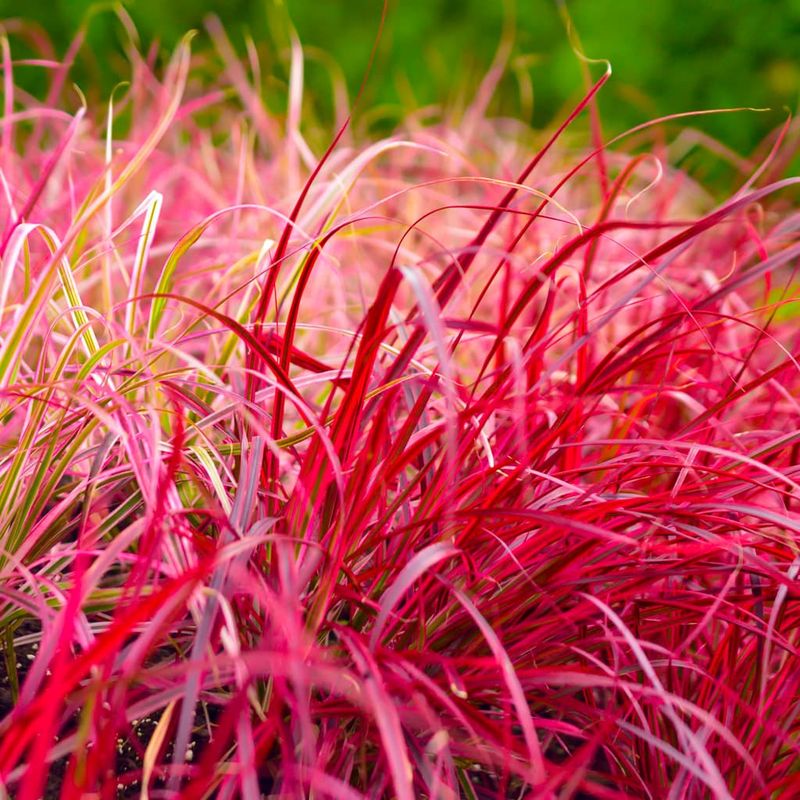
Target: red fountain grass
459,464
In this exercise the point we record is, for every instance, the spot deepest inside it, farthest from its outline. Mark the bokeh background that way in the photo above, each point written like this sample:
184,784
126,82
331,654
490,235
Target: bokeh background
668,56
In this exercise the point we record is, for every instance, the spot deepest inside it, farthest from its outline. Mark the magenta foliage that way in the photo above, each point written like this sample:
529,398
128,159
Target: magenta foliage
451,464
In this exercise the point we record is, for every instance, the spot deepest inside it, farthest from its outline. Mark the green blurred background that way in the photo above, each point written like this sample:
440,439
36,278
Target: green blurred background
668,56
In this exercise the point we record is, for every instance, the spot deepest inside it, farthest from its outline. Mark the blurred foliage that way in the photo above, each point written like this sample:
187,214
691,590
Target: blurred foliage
668,56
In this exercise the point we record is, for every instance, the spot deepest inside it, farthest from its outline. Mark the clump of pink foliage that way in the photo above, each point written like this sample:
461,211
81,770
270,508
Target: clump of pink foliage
457,464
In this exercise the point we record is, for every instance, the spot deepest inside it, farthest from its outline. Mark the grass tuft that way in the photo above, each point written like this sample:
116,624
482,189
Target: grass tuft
458,464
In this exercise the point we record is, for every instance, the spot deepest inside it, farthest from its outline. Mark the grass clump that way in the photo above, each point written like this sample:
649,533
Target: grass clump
457,464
